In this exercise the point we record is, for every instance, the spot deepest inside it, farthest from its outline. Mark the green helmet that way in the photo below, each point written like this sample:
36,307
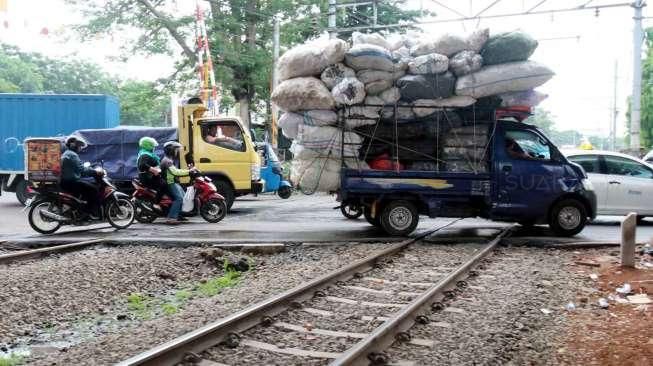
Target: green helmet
147,143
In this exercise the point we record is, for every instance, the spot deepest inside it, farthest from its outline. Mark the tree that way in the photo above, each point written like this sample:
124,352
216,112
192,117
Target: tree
142,103
546,122
240,33
646,126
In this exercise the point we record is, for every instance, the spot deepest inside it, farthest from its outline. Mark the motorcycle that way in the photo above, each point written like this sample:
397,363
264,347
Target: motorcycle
51,207
206,201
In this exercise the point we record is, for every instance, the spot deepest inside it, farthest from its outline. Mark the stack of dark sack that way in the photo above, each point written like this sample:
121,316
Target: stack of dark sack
414,103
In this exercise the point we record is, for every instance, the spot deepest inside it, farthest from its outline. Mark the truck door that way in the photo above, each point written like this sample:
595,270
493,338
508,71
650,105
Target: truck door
528,177
222,148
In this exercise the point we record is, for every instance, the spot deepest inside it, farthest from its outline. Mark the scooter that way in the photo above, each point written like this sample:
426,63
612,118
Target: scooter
51,207
271,172
206,201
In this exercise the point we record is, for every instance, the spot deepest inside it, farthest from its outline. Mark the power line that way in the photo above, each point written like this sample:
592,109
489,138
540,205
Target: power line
437,21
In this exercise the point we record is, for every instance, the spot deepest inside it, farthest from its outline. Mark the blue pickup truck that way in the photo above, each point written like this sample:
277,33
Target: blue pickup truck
41,115
521,177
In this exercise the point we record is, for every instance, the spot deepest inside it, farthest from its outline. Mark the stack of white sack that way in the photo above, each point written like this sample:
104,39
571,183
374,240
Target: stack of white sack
388,77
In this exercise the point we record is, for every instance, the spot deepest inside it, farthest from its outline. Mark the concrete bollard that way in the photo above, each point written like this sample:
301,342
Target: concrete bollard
628,231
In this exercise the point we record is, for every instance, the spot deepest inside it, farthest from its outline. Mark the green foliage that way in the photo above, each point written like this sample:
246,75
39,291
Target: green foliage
646,127
11,360
142,103
213,286
169,309
546,122
240,33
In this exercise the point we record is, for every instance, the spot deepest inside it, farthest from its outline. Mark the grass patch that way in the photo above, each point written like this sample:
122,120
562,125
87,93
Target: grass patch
169,309
140,304
11,360
146,306
213,286
183,295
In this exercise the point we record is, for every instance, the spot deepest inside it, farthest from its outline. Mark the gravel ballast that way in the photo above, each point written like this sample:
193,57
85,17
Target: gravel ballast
513,313
80,286
419,263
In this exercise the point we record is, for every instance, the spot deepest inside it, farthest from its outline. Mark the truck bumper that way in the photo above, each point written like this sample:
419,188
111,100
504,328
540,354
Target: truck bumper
258,186
590,196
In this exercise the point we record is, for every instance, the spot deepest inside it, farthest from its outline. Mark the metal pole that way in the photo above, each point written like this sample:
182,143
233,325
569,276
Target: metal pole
635,114
613,124
333,33
275,81
375,13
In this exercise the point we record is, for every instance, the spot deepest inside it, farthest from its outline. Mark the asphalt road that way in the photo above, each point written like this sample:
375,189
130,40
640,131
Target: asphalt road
269,218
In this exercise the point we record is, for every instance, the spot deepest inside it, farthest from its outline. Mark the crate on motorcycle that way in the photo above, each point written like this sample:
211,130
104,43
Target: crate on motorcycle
43,159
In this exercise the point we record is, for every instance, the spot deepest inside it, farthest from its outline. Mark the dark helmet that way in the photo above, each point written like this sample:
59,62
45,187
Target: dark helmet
75,143
170,147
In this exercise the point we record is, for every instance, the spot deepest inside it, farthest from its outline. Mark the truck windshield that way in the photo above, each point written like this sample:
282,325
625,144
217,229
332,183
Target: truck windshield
521,144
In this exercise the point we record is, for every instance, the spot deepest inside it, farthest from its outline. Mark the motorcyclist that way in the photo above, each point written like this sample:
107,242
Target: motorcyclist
72,172
171,175
149,170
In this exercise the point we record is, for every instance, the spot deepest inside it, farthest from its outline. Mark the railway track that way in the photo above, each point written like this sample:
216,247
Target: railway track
346,317
17,256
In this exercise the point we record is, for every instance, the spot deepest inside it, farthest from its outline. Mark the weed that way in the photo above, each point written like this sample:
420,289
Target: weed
11,360
140,304
169,309
213,286
183,295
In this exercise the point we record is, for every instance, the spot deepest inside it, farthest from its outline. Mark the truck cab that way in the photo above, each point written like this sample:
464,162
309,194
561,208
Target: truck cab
522,178
222,149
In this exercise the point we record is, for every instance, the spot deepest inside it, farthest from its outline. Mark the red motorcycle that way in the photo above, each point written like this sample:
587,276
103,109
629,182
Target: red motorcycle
207,201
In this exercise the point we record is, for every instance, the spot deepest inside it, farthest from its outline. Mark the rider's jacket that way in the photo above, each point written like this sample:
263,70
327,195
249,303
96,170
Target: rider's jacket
72,168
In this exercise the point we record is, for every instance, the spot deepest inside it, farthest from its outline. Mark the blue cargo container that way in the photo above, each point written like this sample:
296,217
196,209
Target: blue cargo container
46,115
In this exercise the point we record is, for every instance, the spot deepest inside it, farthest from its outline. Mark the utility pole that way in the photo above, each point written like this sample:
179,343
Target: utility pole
635,114
375,12
613,124
333,33
275,80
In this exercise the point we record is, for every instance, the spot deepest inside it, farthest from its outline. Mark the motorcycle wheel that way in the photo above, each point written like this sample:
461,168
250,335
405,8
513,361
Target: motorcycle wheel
285,192
39,223
142,217
121,213
213,210
351,212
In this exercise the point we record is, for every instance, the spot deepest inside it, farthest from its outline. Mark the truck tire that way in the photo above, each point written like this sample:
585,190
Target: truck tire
568,217
399,218
226,190
374,221
21,192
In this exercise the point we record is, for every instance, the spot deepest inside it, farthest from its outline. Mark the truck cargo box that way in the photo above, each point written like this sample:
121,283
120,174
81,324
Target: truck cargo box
48,115
117,148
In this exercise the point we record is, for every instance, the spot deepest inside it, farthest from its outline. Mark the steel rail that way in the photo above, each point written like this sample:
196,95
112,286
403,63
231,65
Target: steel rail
174,351
382,337
36,253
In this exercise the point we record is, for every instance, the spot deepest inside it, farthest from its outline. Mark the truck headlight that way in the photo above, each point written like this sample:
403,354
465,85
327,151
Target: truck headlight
256,171
587,184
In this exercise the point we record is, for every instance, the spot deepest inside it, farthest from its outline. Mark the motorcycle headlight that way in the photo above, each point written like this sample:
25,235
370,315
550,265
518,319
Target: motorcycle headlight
587,184
256,171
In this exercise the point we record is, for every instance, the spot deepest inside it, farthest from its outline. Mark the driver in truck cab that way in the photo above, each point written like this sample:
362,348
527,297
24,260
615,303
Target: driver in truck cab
72,172
229,137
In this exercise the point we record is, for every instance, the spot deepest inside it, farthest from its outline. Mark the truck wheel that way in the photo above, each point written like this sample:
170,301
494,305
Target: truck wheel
568,217
226,191
367,213
399,218
21,192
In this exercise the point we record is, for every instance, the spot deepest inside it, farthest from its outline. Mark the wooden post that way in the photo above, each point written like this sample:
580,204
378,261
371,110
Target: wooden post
628,230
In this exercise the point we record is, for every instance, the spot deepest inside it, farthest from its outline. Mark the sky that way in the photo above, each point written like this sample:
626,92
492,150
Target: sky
580,47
